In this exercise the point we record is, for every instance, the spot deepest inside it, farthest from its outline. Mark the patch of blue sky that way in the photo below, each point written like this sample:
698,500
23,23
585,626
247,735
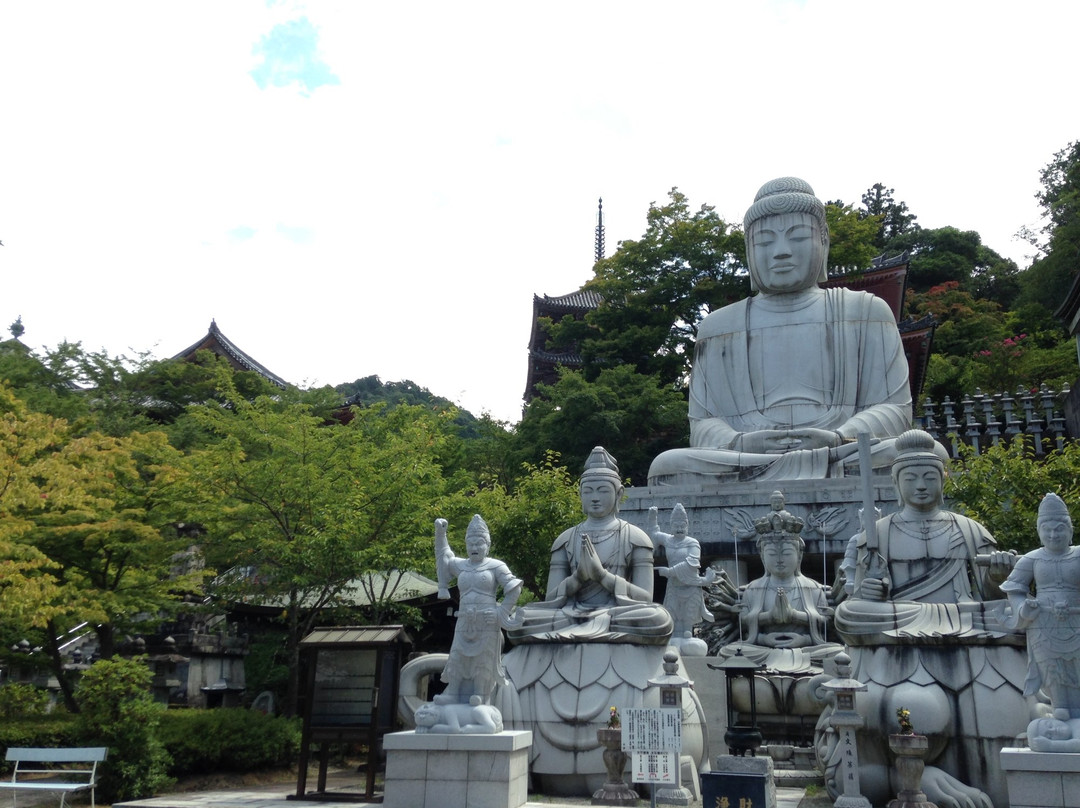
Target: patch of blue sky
242,233
297,235
290,54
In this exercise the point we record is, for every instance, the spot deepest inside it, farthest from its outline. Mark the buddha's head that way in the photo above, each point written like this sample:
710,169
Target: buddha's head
787,237
601,486
1054,524
781,554
918,473
477,539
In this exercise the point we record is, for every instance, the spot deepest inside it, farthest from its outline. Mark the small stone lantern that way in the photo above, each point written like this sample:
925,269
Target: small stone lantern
740,738
846,720
671,686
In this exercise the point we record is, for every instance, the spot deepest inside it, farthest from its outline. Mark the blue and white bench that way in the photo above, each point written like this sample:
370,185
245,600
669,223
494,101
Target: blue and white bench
41,769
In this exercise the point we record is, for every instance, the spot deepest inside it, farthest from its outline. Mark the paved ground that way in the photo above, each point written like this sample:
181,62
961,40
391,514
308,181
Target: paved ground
351,787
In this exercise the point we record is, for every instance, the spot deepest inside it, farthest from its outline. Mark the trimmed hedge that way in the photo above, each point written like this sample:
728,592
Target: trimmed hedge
232,740
55,729
199,741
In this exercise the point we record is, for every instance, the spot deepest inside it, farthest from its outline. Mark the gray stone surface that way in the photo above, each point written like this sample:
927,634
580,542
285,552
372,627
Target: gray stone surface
1049,615
434,771
784,380
684,598
1041,779
600,580
925,632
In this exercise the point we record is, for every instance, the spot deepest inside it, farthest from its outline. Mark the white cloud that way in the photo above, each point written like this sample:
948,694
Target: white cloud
413,172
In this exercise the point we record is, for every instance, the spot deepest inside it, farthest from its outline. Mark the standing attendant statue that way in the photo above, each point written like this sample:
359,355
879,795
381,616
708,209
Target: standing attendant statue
475,663
684,597
1051,617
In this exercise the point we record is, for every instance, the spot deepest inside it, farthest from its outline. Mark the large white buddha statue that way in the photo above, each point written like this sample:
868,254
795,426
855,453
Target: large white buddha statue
785,380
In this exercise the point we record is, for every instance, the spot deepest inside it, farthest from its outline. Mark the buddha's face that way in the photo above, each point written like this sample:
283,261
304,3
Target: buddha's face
781,558
919,486
786,252
599,497
1056,533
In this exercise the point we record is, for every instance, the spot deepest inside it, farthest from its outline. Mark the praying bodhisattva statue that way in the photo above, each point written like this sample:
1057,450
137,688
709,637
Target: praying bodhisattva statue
784,381
600,583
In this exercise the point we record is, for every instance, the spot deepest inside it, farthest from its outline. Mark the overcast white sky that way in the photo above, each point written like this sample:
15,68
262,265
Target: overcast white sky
356,188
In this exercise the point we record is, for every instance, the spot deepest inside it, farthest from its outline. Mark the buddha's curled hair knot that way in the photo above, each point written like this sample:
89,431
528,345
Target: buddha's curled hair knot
785,195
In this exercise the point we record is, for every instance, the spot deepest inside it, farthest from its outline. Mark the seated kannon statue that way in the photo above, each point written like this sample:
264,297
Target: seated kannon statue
785,615
600,582
784,381
927,631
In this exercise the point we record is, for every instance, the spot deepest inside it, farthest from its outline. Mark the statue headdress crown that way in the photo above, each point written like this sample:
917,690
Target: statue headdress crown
478,527
1053,507
917,446
600,463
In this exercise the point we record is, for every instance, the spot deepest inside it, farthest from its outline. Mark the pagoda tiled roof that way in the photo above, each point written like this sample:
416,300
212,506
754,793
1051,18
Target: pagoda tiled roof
219,344
581,299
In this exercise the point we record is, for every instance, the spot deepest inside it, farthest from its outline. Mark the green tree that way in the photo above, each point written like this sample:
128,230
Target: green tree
852,237
302,507
116,710
524,521
88,522
1049,278
1003,486
894,217
946,254
634,416
655,290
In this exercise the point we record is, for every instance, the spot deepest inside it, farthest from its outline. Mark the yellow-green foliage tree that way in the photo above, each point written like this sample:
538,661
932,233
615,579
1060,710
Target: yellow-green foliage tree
87,530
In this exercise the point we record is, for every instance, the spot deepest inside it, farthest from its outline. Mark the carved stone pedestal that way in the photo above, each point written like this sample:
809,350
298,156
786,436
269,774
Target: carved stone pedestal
1043,779
615,791
910,751
434,771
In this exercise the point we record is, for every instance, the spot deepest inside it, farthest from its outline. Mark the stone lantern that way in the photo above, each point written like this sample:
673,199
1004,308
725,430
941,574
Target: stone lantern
671,686
846,720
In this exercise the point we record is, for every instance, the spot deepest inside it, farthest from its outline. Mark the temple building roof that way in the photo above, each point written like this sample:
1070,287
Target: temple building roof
220,345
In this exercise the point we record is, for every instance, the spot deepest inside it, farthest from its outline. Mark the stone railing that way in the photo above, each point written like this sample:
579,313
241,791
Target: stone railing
982,420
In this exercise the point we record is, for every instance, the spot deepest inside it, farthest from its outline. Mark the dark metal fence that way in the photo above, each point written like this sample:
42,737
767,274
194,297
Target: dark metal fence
982,420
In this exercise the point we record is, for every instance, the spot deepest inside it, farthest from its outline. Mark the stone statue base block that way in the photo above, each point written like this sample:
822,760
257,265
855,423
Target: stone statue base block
434,771
741,780
1044,779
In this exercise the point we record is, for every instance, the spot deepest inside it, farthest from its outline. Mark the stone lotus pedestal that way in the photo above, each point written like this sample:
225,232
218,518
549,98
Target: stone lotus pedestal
615,791
910,751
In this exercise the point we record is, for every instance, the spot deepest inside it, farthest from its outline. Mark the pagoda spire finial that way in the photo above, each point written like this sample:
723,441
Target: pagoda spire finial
600,231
